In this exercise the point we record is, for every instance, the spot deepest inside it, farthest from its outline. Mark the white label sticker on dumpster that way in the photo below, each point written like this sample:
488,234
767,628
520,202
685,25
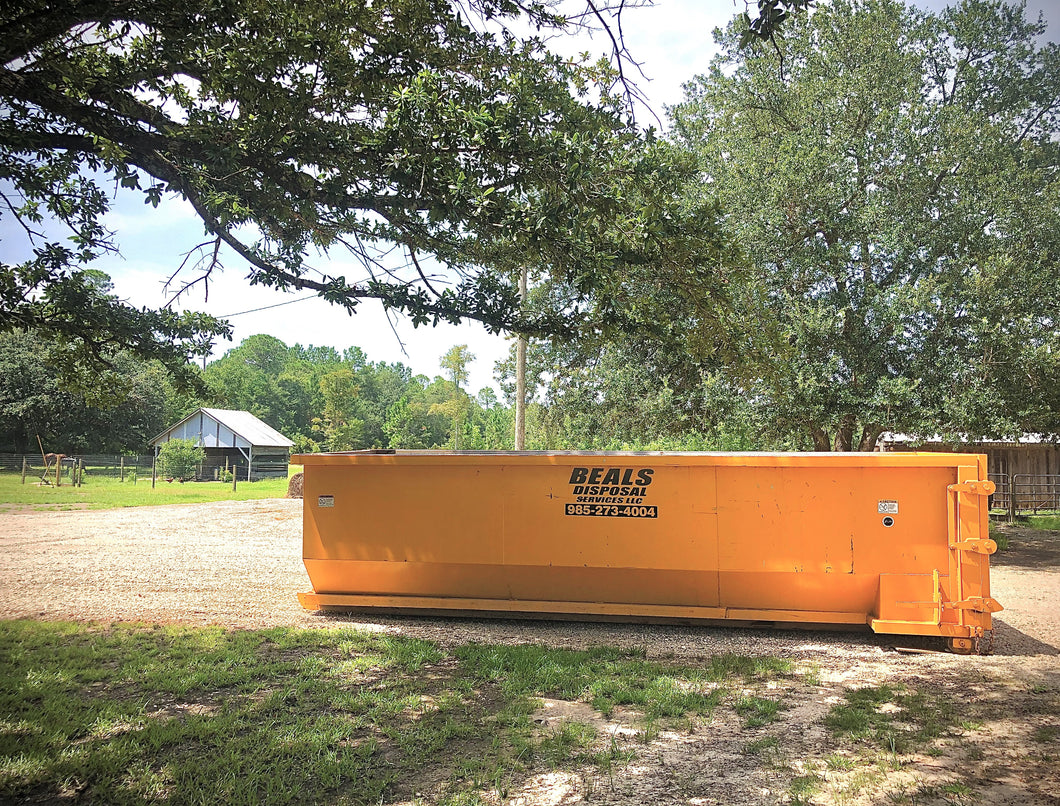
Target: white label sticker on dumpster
329,501
888,508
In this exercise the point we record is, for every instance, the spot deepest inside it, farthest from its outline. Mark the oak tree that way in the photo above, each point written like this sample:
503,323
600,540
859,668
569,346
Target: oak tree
895,191
425,138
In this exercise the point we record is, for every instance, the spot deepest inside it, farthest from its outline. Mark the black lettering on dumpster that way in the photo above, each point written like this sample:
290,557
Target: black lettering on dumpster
611,511
625,488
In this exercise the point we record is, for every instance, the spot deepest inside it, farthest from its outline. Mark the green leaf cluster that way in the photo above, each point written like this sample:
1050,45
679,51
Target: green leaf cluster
113,412
326,400
180,458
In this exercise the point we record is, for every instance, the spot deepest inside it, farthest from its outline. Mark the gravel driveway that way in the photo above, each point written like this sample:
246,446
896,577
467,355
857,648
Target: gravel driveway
238,564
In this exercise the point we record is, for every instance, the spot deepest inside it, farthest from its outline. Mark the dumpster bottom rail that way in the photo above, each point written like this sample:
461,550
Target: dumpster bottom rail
625,611
960,639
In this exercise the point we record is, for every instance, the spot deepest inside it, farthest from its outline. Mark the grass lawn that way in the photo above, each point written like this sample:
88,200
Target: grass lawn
132,714
105,492
1051,522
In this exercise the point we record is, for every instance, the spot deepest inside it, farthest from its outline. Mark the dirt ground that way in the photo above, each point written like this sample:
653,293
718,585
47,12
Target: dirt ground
238,564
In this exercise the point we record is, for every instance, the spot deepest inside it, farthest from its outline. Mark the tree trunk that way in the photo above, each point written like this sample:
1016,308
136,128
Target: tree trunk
844,437
869,436
520,375
821,442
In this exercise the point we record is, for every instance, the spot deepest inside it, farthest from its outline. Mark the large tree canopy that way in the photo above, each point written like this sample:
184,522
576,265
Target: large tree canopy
896,191
421,136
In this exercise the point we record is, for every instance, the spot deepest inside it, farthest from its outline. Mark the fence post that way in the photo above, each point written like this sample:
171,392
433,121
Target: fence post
154,473
1011,498
121,471
23,469
235,475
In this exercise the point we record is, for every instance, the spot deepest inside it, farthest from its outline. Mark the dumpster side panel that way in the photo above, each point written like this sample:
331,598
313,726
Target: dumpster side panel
504,532
892,540
404,514
813,537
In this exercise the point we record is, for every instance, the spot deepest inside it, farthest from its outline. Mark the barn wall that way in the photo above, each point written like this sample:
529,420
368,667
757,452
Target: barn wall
1033,460
1027,475
225,448
270,462
216,435
208,432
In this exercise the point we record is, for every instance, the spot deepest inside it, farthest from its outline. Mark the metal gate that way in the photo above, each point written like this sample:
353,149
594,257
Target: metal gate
1025,494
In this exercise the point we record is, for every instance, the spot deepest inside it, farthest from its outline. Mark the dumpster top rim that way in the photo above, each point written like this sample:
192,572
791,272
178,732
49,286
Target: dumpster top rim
449,457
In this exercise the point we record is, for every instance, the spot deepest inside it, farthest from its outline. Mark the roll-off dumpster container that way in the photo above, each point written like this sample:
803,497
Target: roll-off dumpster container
897,541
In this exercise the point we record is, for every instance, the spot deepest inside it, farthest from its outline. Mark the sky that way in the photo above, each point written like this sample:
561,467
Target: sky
673,42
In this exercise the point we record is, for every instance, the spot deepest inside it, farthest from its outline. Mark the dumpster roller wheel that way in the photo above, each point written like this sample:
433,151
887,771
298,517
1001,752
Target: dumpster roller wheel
976,645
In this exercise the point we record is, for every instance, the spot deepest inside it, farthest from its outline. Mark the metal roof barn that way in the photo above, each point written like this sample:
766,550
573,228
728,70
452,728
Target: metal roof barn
230,435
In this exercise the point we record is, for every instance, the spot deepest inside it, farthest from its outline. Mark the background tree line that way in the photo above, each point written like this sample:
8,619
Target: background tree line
325,400
320,398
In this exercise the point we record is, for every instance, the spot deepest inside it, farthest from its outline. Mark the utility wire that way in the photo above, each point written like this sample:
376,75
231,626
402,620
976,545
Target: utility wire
266,307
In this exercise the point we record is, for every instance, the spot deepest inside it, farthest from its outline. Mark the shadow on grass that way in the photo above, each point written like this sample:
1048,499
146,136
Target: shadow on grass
182,715
1029,548
177,714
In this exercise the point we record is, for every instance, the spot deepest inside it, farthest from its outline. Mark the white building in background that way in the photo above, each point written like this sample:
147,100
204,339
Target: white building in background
236,440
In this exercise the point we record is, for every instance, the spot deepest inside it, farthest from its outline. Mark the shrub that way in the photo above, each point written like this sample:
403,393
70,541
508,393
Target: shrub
179,458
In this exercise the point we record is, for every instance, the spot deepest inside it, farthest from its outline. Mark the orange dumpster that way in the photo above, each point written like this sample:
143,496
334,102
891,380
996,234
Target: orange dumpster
895,541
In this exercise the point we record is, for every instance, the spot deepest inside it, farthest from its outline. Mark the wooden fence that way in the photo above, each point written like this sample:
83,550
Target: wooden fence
125,467
112,465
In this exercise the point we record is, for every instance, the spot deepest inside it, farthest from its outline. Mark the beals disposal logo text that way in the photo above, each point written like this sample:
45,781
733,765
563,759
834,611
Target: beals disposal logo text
610,485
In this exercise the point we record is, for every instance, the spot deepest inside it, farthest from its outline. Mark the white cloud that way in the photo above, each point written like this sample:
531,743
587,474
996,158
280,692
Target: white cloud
130,216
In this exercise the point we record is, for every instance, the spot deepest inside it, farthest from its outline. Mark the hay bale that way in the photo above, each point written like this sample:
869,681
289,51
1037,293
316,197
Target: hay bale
295,485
